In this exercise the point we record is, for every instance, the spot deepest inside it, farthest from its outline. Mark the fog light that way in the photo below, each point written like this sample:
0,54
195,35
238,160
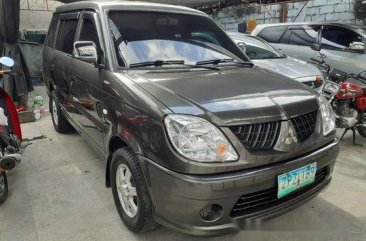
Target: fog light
211,212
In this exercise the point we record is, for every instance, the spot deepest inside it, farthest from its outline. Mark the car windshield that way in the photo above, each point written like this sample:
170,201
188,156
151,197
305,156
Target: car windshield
151,36
258,49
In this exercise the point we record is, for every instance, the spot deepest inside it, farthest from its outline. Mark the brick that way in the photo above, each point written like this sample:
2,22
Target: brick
326,9
298,5
332,17
346,16
334,2
339,8
319,3
308,19
312,11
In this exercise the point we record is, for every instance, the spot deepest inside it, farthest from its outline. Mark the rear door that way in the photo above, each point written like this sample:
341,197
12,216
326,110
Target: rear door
60,67
48,51
297,40
335,43
86,79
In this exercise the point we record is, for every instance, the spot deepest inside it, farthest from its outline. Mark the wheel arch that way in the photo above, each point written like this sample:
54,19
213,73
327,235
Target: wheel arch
114,144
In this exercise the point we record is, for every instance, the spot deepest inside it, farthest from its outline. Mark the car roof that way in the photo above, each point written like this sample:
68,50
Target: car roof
126,5
244,36
354,26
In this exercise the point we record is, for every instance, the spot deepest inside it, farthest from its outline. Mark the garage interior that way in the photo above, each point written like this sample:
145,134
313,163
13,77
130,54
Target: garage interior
58,191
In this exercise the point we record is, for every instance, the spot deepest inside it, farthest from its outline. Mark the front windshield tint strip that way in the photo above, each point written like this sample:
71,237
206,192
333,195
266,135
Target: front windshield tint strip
149,36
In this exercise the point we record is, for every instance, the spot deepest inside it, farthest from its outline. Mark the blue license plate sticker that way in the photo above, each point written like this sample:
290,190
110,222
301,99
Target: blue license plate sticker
295,179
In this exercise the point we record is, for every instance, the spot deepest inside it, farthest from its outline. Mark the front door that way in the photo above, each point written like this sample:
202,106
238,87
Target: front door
335,43
85,90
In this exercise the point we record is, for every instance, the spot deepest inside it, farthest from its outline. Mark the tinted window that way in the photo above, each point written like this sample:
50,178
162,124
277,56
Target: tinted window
257,49
52,31
149,36
285,37
339,38
89,32
65,39
304,36
272,34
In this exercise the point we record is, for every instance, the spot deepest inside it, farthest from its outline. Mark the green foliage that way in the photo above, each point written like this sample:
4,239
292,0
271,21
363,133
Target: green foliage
243,10
360,10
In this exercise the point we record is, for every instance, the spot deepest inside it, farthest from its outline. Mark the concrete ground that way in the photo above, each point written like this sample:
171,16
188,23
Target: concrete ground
58,193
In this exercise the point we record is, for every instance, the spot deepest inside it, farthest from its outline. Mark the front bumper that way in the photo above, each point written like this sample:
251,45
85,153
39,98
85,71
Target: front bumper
178,198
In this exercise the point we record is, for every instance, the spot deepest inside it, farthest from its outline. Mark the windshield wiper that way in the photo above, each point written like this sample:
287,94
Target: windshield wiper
218,61
159,63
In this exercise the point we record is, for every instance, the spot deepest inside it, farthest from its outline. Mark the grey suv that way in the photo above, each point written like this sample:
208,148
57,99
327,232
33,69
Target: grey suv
194,136
343,44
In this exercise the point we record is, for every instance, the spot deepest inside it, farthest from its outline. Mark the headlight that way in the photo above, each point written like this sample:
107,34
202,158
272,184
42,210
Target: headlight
331,88
328,117
198,140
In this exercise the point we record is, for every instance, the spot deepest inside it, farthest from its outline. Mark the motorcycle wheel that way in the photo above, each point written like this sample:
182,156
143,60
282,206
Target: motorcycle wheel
362,131
3,187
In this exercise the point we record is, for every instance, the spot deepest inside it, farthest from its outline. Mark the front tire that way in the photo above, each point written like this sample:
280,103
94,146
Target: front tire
3,187
130,192
362,131
60,123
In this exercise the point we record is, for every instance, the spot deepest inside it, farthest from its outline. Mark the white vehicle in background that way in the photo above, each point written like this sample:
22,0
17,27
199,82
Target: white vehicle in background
266,56
343,44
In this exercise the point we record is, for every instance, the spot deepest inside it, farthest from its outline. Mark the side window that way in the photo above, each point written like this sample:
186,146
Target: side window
89,32
272,34
285,37
52,31
338,38
305,36
65,39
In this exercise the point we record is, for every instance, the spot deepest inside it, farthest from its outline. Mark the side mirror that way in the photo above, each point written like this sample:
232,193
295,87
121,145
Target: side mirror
316,47
86,51
242,46
9,62
357,46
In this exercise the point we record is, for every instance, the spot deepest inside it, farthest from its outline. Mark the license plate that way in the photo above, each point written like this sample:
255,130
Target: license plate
295,179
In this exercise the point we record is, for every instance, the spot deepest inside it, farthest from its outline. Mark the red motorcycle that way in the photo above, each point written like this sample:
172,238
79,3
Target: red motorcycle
347,95
10,133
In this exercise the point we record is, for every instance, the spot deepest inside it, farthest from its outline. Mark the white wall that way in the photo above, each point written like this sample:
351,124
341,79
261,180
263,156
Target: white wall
317,10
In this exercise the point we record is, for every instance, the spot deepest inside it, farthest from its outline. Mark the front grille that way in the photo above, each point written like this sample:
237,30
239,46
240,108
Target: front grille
256,137
262,200
305,125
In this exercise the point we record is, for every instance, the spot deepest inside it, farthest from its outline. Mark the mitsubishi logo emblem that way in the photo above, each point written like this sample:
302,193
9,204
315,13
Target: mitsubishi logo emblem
291,137
287,140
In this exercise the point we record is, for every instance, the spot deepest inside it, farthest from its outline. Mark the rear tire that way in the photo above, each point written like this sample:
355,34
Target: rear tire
3,187
60,123
136,210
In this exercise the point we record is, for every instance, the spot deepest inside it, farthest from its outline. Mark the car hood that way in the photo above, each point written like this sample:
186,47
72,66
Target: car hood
290,67
226,97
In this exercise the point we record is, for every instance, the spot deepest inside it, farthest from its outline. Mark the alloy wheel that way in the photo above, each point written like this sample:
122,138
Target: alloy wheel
54,112
126,190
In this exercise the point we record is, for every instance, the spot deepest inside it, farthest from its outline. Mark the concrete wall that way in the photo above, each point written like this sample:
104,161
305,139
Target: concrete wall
317,10
34,14
34,19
